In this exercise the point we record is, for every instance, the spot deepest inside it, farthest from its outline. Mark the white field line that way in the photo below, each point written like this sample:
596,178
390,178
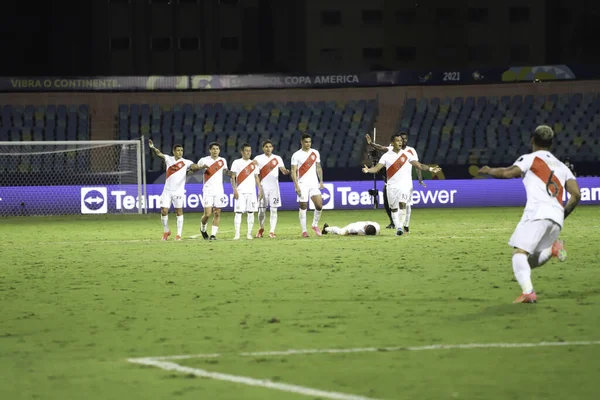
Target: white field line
264,383
163,363
292,352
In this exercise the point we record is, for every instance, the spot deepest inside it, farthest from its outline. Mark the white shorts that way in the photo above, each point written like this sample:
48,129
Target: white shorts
216,200
246,202
534,235
169,197
307,192
271,198
397,195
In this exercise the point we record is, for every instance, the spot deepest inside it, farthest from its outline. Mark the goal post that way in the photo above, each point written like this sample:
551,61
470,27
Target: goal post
72,177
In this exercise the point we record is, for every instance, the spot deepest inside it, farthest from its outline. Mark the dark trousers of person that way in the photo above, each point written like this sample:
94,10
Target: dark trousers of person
386,204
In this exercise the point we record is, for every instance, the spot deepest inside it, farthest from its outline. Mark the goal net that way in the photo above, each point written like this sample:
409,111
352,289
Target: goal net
71,177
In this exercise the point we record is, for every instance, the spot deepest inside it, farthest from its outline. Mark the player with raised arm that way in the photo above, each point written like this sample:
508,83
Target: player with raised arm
360,228
174,189
535,239
307,175
398,164
244,193
269,166
411,150
213,194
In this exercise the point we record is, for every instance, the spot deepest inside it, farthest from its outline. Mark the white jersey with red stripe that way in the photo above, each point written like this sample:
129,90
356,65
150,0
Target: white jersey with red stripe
398,167
176,173
544,178
306,161
213,183
248,185
268,169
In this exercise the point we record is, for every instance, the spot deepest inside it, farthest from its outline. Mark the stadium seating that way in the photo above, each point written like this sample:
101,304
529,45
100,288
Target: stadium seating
495,130
52,122
337,129
44,123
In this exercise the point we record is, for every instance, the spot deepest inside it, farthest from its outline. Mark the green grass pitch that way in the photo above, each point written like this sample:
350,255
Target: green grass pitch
80,295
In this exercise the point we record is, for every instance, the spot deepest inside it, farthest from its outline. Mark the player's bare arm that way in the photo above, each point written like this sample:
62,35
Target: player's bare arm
284,170
156,150
260,189
196,167
320,175
295,179
375,145
573,189
502,173
431,168
372,170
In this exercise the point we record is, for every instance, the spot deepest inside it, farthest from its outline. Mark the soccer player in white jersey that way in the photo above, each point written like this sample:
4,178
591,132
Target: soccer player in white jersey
174,189
269,165
247,181
360,228
307,175
213,195
398,164
409,203
535,239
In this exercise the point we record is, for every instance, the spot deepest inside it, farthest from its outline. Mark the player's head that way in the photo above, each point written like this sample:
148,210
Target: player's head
306,141
396,141
542,137
404,135
370,230
214,148
267,147
177,151
246,151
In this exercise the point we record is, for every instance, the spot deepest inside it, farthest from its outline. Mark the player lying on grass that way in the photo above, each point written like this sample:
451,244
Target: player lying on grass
360,228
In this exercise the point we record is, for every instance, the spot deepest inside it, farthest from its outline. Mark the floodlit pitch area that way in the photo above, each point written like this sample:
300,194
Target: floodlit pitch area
98,307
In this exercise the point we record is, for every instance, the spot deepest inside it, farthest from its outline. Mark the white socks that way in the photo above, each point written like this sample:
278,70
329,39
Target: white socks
334,229
396,219
522,272
272,220
179,225
237,223
214,230
316,217
203,226
262,215
302,215
250,223
407,219
165,222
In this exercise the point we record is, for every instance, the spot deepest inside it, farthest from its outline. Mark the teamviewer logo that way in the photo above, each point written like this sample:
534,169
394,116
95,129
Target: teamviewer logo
93,200
327,196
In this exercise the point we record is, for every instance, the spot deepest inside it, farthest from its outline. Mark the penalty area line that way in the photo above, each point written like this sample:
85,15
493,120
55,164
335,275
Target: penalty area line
165,363
245,380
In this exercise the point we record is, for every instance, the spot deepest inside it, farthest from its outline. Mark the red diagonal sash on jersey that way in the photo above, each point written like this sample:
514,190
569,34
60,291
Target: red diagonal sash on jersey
307,164
553,185
174,168
213,169
395,167
268,167
410,151
246,172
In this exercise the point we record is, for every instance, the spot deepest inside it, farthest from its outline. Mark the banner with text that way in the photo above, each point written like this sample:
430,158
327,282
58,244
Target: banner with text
352,195
462,76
